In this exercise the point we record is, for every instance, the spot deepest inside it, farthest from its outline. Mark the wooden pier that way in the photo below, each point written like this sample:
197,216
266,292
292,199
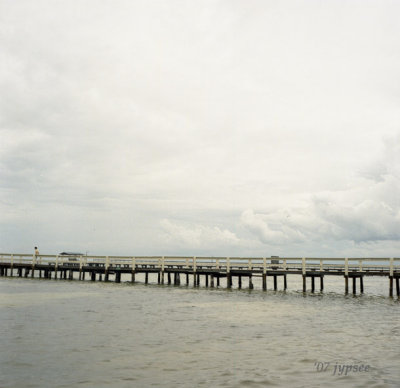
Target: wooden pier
186,270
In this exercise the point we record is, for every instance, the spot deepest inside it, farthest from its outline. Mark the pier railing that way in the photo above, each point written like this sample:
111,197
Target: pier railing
227,264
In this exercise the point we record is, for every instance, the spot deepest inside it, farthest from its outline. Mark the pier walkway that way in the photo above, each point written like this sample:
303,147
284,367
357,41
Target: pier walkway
174,270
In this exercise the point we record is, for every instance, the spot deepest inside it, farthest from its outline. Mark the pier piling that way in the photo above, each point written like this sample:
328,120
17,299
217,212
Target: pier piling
228,280
390,285
264,282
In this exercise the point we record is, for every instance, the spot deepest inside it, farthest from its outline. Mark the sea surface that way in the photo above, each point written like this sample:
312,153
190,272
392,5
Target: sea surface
59,333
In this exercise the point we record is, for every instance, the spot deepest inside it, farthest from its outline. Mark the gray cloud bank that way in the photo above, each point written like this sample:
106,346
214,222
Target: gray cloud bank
213,127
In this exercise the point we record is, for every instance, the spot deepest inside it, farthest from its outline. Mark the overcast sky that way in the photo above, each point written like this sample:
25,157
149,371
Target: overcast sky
248,128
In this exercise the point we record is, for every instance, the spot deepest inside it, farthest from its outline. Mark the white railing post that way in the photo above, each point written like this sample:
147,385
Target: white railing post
80,262
391,266
346,266
250,264
217,264
12,261
56,263
321,265
264,265
228,265
360,265
162,263
187,262
133,263
284,264
304,265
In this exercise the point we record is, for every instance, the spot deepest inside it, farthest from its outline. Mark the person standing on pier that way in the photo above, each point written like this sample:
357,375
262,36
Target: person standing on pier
36,251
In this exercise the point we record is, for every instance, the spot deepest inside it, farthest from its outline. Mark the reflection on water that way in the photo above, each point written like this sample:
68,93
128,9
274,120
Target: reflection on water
66,334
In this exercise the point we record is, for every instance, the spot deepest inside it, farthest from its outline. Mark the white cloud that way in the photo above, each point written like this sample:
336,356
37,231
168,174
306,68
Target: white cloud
197,236
273,228
368,211
247,127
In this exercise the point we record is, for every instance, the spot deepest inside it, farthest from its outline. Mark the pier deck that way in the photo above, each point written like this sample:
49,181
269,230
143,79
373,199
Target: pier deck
212,269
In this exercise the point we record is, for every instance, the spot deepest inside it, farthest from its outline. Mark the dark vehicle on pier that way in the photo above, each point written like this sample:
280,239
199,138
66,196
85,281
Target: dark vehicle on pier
274,260
72,257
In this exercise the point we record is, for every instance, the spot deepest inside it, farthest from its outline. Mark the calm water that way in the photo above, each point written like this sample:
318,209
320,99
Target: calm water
57,333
